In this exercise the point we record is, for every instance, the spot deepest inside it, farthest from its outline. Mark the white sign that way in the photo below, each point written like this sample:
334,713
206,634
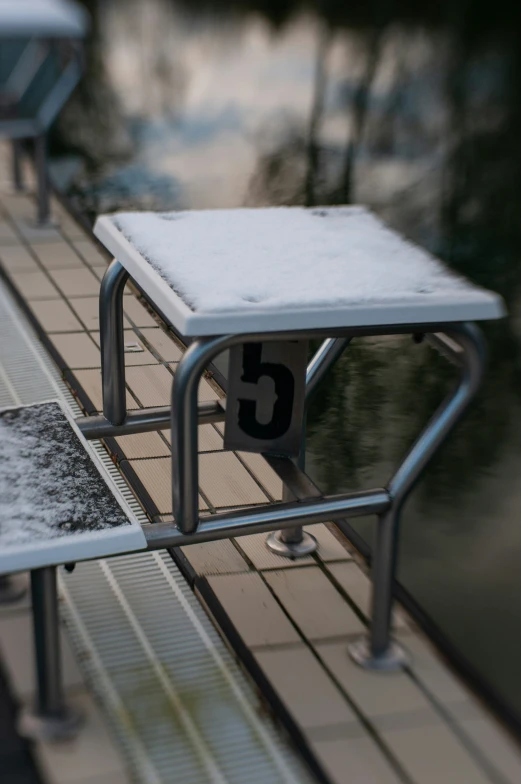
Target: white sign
265,397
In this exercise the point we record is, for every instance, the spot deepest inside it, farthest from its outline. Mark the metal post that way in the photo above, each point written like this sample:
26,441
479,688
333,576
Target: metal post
17,165
185,419
51,719
40,153
295,542
112,343
466,347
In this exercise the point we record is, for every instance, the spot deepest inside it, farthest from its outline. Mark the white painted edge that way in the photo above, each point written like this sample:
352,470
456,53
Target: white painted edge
486,305
78,546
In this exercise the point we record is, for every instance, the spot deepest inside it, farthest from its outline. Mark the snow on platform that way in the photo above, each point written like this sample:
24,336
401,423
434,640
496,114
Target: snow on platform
287,268
55,503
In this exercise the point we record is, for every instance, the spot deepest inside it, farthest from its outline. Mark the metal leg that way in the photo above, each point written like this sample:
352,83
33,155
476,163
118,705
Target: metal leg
40,150
17,165
185,419
295,542
51,719
464,346
112,343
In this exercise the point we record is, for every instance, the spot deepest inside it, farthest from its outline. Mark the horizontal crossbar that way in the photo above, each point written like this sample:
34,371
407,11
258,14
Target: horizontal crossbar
144,421
270,518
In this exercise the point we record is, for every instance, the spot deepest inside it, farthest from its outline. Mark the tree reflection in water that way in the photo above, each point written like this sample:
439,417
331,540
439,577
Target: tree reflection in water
411,108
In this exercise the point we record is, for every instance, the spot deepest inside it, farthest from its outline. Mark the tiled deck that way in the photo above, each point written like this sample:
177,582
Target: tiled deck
419,726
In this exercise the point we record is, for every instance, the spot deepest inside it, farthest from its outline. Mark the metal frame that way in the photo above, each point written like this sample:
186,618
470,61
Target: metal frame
36,127
462,343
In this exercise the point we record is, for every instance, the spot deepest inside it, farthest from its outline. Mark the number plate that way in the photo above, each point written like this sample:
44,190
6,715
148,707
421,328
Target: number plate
265,397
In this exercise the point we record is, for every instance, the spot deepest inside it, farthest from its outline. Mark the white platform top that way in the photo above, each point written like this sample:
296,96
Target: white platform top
57,503
286,268
44,18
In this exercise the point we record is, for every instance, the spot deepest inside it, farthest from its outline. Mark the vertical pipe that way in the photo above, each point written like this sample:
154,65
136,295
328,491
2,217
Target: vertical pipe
468,350
185,418
50,703
17,165
112,343
40,152
293,542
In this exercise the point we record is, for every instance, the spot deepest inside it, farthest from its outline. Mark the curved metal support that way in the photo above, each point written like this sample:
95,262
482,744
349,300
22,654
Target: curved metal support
326,356
112,343
294,542
185,472
466,348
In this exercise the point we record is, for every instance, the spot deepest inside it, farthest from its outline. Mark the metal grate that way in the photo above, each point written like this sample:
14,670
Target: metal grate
176,700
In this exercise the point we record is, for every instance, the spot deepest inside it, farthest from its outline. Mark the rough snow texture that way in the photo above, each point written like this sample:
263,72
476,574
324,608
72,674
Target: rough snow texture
49,486
59,18
285,258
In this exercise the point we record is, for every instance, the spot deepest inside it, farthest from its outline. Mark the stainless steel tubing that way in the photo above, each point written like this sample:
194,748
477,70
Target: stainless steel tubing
17,165
40,154
329,352
50,701
144,421
112,343
160,535
466,347
294,542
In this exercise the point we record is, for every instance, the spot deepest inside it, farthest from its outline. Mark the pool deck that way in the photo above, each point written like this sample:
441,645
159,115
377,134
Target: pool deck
289,620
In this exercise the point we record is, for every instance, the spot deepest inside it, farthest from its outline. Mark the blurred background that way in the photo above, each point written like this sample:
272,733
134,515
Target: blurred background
413,109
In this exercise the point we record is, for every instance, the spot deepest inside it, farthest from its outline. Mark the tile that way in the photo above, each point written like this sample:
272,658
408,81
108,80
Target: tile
378,695
16,258
71,228
132,357
498,747
7,234
330,546
219,557
156,476
265,475
34,233
90,755
433,754
99,271
313,602
55,316
225,481
89,251
359,588
143,445
151,385
90,380
87,308
163,344
58,255
76,282
254,545
432,672
77,350
209,439
34,285
19,205
17,650
305,687
252,609
355,761
138,314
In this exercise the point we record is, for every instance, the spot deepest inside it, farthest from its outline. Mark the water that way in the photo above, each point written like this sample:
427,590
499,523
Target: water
414,112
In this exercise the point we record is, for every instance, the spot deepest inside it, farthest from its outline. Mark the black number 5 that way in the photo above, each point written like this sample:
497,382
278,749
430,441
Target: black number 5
253,370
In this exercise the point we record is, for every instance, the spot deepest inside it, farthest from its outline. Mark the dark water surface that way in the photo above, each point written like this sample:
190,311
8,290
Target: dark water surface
414,111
